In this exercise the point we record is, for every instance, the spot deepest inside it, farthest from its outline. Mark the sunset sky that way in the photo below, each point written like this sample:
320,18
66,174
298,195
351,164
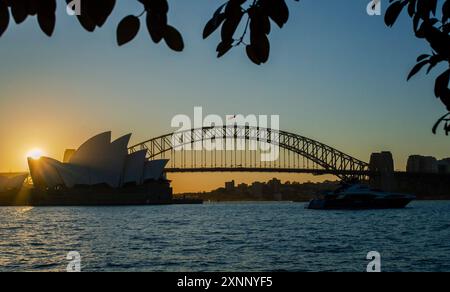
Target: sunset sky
335,75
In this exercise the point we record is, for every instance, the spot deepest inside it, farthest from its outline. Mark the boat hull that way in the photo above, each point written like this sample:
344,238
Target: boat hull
337,204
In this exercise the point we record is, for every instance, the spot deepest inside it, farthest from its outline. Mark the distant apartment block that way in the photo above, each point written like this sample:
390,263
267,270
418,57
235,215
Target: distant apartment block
444,165
427,164
229,186
257,189
382,162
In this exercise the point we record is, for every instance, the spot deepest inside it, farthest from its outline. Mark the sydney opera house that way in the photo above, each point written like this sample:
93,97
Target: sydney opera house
98,162
100,172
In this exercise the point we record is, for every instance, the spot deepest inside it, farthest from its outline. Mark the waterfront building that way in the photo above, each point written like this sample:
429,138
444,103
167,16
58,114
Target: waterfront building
422,164
444,166
229,186
382,162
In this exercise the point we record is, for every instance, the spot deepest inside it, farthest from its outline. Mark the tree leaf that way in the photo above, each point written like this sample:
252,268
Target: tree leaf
439,122
19,10
277,10
434,61
432,6
262,48
445,98
412,7
417,68
441,85
416,23
445,11
251,54
219,10
230,26
260,45
156,25
4,17
101,11
32,7
128,29
224,47
422,57
432,65
393,13
47,23
46,6
213,24
260,22
159,6
173,39
46,16
439,41
446,28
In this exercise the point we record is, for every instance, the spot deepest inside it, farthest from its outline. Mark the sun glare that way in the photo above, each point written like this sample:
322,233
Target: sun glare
35,153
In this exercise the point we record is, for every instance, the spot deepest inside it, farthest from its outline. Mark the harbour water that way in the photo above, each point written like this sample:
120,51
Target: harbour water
225,237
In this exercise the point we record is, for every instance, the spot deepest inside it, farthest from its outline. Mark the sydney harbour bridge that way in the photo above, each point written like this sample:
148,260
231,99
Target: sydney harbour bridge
245,149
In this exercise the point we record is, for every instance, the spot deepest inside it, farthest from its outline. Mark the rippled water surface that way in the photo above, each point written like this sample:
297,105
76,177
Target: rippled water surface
225,237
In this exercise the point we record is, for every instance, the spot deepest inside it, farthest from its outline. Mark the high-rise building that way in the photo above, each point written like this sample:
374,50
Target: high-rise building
382,162
422,164
444,166
229,186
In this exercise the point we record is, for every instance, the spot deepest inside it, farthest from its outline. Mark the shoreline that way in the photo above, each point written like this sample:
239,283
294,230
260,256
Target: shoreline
152,193
193,202
208,197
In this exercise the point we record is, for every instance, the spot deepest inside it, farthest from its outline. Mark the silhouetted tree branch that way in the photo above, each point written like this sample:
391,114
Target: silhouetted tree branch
94,13
431,23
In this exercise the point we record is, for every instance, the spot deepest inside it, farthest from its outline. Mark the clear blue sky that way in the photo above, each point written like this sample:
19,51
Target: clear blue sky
335,74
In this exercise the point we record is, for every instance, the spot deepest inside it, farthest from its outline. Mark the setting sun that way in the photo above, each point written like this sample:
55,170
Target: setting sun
35,153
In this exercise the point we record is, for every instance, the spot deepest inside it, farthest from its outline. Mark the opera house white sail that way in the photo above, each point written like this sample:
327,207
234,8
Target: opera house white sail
97,162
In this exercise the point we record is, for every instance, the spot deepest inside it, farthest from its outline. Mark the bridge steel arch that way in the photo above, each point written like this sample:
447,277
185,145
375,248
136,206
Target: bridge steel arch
330,159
